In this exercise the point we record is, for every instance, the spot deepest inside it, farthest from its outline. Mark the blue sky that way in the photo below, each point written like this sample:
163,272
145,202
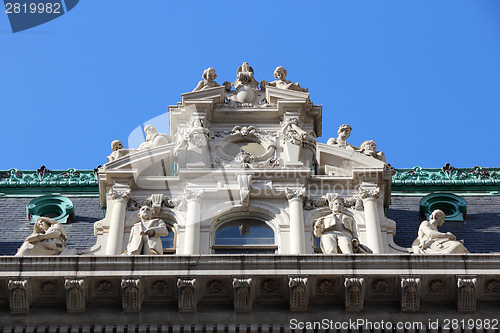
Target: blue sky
420,77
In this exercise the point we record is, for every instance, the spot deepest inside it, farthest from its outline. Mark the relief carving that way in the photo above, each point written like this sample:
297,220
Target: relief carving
131,296
298,293
75,295
242,294
354,294
466,295
19,296
187,299
410,294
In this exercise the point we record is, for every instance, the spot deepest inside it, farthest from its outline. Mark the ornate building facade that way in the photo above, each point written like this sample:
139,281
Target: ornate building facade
239,220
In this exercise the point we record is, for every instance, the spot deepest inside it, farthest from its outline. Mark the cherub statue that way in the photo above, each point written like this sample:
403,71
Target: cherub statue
118,151
369,148
48,238
145,235
431,241
153,138
344,132
208,80
281,82
337,230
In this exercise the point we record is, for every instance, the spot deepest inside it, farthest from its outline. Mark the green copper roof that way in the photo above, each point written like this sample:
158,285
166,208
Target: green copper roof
45,180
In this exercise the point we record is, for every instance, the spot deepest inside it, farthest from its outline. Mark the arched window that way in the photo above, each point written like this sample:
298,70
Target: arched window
244,235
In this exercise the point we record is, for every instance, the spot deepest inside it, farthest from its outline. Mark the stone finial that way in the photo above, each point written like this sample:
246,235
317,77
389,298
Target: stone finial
410,294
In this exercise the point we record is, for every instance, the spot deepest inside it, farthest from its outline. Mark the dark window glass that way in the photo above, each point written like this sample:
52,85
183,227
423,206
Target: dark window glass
245,232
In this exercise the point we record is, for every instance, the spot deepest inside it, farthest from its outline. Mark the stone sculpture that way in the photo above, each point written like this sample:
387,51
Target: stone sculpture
48,238
208,80
117,150
191,143
431,241
281,82
369,148
337,230
145,234
344,132
245,88
153,138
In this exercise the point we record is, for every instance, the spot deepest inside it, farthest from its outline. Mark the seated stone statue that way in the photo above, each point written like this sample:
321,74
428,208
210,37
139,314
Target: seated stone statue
337,230
344,132
118,150
431,241
208,80
153,138
369,148
48,238
281,82
145,235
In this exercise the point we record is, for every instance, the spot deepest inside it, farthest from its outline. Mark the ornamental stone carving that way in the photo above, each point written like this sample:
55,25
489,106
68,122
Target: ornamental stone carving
369,193
369,148
431,241
208,80
191,144
153,138
410,294
48,238
466,294
131,295
354,294
75,295
242,294
145,234
298,294
117,151
281,82
187,297
245,92
292,194
19,296
343,132
244,182
119,195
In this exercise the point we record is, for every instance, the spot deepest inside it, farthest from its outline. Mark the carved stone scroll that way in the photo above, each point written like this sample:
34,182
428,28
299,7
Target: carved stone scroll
19,296
466,295
75,295
298,293
354,294
410,294
242,294
187,296
131,295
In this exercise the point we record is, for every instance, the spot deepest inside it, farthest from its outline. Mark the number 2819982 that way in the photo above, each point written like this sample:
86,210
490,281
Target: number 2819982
33,8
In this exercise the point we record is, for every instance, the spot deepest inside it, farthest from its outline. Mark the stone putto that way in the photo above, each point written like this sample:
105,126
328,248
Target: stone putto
48,238
431,241
281,82
208,80
344,132
369,148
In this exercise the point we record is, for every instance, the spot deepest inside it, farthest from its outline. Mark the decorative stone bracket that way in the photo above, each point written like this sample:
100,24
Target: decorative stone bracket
242,294
75,295
187,294
466,295
19,296
131,294
354,294
410,293
298,293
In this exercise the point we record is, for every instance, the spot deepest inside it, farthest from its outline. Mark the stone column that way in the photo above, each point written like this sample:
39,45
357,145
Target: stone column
297,234
373,232
192,231
120,198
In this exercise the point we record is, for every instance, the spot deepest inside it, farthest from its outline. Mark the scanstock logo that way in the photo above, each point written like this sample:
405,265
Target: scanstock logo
26,14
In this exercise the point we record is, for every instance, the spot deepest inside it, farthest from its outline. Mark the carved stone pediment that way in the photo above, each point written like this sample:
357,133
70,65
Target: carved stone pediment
216,95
